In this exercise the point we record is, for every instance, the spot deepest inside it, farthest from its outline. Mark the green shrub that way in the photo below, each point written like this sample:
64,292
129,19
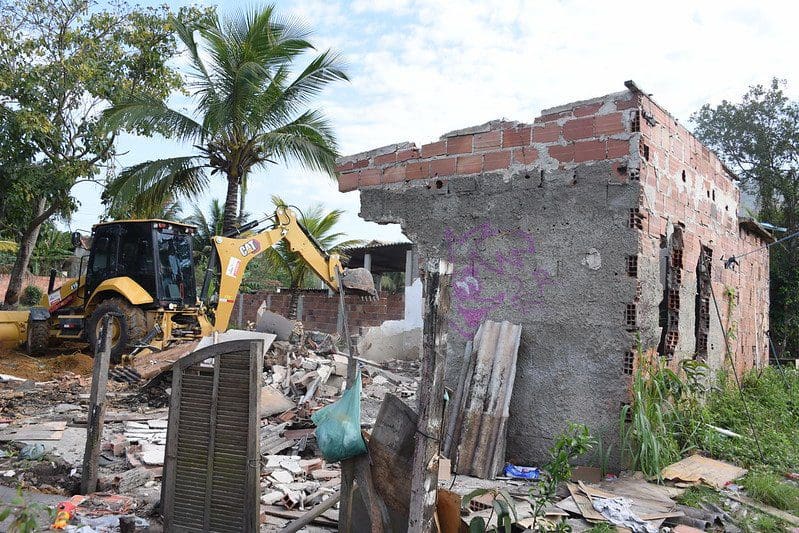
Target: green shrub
772,490
31,296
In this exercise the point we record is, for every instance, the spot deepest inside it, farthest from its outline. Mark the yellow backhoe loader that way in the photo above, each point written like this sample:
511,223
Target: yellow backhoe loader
141,272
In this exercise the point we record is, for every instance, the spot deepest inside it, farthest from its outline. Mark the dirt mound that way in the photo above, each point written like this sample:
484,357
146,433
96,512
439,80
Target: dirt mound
44,368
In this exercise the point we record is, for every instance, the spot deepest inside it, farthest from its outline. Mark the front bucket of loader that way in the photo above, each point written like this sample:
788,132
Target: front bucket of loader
358,281
13,328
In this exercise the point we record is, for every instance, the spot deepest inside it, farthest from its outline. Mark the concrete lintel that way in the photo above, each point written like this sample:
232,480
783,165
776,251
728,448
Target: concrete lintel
388,149
481,128
580,103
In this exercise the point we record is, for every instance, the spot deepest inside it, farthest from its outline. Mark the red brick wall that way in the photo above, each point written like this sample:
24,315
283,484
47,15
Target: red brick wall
684,182
586,131
320,311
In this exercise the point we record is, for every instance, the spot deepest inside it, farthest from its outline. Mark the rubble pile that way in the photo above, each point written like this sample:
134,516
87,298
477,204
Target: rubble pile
43,431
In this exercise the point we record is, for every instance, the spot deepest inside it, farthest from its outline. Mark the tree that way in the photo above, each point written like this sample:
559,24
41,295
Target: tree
758,138
249,106
208,225
61,62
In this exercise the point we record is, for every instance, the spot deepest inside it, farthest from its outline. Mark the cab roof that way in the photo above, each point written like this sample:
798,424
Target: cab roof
145,221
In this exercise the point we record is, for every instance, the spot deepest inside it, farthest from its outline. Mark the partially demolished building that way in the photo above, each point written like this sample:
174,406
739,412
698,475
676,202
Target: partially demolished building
601,225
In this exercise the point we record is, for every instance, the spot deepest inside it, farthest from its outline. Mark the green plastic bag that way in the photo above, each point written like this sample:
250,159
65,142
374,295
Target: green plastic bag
338,426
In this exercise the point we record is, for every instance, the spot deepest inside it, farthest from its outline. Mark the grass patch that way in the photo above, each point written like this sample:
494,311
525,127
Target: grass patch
773,400
696,495
772,490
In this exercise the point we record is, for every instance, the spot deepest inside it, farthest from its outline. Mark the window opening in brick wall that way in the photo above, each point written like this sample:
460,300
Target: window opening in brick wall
713,195
702,306
635,124
669,309
632,265
645,151
683,176
636,219
628,363
630,317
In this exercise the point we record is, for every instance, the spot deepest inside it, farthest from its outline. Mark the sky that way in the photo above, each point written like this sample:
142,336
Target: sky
419,69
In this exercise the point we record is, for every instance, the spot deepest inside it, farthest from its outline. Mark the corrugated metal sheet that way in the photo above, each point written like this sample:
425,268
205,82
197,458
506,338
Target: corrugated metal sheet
211,471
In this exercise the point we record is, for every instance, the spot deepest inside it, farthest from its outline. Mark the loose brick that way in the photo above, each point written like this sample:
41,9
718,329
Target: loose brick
434,149
347,182
345,167
369,177
579,128
460,145
553,116
516,137
363,163
488,140
621,105
589,151
590,109
386,159
496,160
608,124
405,155
394,174
618,148
417,171
564,154
470,164
546,133
443,167
525,155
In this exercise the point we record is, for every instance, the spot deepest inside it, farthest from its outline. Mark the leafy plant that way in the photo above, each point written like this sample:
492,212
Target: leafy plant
501,504
23,514
31,295
573,443
602,527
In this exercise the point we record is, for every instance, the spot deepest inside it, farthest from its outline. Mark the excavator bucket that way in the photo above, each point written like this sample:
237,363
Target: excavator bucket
358,281
13,328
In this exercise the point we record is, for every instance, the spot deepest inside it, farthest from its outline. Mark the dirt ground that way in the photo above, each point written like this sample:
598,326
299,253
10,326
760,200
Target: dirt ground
67,358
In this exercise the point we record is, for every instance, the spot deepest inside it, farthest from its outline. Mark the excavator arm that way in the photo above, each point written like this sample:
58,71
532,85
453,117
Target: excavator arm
236,253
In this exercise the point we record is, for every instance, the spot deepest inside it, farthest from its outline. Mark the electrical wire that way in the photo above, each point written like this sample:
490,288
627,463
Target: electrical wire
732,260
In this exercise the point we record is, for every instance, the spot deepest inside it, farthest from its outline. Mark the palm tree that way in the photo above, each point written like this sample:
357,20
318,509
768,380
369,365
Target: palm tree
250,107
320,225
209,224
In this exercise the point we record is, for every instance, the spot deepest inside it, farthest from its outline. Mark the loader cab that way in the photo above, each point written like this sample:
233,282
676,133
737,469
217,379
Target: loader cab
156,254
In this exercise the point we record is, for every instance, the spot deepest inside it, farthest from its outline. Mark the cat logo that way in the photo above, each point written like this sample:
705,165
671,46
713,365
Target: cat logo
250,247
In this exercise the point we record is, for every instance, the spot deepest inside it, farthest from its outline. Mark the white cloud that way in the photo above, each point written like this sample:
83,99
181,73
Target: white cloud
422,68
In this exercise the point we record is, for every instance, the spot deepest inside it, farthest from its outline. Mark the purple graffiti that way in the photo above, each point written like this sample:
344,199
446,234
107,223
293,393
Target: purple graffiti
471,253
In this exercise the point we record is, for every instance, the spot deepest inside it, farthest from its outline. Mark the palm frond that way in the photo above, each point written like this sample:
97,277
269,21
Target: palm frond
307,140
152,114
152,183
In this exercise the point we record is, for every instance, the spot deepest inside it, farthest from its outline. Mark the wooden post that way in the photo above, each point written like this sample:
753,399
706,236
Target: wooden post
424,479
94,427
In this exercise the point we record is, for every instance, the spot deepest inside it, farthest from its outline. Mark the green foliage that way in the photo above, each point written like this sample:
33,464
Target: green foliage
697,495
773,400
772,490
502,505
665,413
251,110
61,62
31,296
574,442
757,137
602,527
23,514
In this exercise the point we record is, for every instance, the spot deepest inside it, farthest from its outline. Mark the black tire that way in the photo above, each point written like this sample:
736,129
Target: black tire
128,326
38,337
